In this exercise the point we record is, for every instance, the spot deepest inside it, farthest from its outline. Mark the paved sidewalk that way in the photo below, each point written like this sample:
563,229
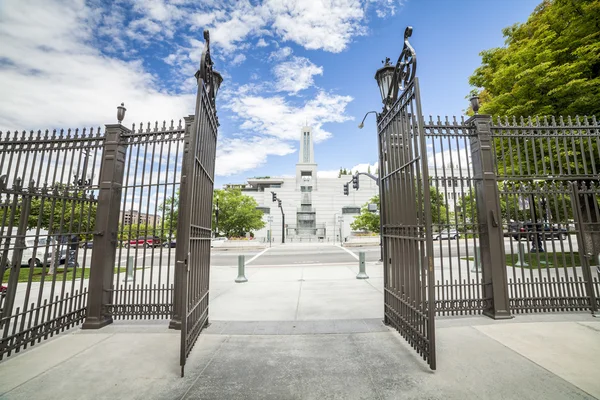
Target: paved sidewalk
312,332
542,357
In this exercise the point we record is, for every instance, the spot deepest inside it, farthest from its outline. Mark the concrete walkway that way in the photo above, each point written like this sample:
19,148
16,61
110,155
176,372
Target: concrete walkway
542,357
312,332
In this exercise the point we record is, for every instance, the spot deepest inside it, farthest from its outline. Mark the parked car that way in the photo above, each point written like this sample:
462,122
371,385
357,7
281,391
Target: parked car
218,241
145,241
447,234
548,231
170,243
46,245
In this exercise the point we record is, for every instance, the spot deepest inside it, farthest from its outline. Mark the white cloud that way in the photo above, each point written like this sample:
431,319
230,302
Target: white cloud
296,75
238,59
243,153
274,116
363,167
281,53
383,8
261,43
57,80
318,25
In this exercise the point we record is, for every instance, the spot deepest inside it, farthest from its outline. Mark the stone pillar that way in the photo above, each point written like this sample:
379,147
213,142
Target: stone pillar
107,225
491,239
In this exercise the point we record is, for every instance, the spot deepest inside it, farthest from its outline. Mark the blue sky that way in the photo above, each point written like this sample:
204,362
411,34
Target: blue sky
69,63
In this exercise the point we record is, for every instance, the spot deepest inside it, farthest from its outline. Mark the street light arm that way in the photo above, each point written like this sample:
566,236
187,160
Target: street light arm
376,179
362,123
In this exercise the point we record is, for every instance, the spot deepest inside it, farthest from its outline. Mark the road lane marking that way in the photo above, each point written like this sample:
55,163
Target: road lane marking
258,255
349,252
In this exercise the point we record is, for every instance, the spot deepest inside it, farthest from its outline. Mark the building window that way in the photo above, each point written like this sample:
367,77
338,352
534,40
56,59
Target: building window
306,147
351,210
265,210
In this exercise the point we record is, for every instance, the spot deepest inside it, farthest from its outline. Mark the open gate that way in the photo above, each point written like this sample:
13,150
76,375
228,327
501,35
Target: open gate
195,209
405,215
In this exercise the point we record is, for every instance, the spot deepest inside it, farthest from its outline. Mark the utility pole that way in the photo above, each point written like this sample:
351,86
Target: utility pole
270,219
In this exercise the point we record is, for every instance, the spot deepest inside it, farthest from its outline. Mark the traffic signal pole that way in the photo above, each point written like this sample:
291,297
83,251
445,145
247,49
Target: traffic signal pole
274,198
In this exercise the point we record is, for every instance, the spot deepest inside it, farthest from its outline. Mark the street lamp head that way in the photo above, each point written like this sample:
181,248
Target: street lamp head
474,103
121,112
361,125
384,76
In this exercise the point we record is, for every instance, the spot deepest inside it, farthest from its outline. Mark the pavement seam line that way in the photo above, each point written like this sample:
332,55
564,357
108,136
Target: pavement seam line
257,255
60,363
363,362
206,366
349,252
299,295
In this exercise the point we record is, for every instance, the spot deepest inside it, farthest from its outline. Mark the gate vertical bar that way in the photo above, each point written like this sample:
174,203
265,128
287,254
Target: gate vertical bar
182,232
107,225
584,255
495,282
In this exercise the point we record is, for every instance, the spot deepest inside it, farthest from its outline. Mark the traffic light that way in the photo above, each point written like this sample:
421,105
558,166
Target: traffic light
279,203
355,182
274,196
345,189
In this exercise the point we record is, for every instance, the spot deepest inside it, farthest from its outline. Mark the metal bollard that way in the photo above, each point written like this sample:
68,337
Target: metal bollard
477,264
361,266
129,270
241,267
521,262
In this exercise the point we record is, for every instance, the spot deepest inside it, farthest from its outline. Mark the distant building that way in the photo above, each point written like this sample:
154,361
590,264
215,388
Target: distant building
315,208
134,217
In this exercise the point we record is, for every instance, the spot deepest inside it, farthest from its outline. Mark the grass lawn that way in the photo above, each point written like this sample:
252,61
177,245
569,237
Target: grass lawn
37,274
544,260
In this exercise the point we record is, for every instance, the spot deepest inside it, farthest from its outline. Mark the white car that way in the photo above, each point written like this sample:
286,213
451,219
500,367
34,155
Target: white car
447,234
218,241
31,260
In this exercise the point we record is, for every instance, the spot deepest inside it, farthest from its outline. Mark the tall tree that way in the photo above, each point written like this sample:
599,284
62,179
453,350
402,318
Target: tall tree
549,66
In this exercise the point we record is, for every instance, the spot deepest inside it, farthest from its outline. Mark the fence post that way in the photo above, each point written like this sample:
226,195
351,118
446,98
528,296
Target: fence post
491,238
181,249
107,224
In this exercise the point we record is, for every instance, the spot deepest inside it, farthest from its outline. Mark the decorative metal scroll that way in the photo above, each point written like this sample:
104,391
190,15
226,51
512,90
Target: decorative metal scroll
206,69
405,71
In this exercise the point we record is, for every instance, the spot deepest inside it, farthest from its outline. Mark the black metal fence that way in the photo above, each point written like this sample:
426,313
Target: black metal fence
145,260
548,193
48,200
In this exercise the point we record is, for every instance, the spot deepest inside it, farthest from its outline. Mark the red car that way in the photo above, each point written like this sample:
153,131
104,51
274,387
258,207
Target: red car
148,241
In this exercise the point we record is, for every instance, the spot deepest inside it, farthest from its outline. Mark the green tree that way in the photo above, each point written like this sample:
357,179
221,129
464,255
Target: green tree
549,66
367,220
170,214
237,213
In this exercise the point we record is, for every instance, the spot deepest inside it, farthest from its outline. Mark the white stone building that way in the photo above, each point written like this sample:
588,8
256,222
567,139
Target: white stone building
315,208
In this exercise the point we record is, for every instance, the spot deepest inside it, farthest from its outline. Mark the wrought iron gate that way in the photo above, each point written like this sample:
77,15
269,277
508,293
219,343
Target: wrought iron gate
405,215
195,211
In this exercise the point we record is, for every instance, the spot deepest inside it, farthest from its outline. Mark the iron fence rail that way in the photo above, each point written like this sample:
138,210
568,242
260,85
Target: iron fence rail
143,278
540,163
47,210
